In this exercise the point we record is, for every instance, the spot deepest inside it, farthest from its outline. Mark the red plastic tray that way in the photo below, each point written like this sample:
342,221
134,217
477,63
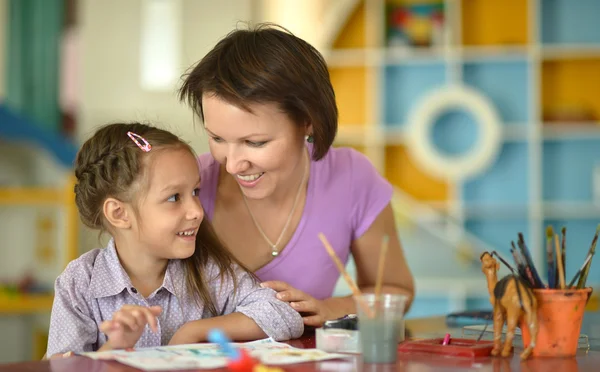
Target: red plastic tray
458,347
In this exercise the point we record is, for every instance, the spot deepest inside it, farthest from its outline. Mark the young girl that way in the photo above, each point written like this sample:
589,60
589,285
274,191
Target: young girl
164,277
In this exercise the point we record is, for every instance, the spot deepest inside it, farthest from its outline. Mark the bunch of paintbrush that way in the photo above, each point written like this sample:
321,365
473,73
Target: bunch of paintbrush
524,263
555,259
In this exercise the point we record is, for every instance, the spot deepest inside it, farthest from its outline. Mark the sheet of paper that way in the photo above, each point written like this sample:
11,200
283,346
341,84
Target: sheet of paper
207,356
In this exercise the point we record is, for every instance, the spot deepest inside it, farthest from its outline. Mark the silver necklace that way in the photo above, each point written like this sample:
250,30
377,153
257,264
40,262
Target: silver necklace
274,250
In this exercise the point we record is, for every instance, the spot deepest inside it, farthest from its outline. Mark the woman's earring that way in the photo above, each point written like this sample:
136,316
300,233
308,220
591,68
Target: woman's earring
310,138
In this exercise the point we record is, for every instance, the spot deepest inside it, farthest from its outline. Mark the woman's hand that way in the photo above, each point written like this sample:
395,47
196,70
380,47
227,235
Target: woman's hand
314,312
127,325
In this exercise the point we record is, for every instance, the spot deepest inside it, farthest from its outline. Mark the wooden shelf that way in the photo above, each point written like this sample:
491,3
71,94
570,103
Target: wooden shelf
570,51
352,134
28,196
395,134
495,53
571,210
579,130
25,304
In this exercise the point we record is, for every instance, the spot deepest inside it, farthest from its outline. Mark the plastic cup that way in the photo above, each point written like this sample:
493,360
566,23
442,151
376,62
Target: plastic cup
381,328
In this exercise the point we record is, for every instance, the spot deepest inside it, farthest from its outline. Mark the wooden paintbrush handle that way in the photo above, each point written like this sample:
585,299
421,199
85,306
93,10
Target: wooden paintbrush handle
344,273
561,270
382,254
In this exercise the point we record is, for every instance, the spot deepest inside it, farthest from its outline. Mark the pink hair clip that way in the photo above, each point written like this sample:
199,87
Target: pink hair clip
145,145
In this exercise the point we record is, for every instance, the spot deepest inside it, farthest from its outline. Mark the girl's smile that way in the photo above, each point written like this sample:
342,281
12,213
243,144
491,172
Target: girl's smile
188,235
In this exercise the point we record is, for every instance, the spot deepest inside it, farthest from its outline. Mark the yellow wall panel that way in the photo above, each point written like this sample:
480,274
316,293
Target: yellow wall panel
494,22
352,35
349,84
405,174
571,85
360,149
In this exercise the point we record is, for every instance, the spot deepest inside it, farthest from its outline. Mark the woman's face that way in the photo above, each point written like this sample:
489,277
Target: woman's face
262,149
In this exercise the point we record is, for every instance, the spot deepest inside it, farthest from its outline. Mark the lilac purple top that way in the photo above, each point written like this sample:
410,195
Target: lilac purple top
95,285
345,195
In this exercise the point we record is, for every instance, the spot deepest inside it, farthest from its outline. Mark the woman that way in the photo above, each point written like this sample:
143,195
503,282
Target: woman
272,181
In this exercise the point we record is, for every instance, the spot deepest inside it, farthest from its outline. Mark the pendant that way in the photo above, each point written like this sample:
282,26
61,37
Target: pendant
274,251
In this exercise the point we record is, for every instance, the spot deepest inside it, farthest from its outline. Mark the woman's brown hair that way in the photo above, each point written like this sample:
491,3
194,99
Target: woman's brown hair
110,164
268,64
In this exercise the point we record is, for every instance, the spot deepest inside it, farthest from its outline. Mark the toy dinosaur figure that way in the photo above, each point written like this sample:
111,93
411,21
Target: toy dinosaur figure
512,298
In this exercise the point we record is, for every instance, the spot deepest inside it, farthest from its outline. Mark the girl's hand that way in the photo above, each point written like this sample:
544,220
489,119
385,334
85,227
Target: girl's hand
314,312
62,355
127,325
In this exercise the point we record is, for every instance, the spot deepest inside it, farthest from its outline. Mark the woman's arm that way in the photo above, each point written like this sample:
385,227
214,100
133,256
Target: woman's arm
397,277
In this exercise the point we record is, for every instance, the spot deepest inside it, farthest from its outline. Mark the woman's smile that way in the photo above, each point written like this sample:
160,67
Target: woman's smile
249,180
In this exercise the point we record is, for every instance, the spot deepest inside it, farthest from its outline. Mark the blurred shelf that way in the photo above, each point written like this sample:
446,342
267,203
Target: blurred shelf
459,286
515,132
30,196
575,130
395,134
411,55
25,304
571,210
353,134
495,54
399,55
496,211
478,210
570,51
350,57
489,211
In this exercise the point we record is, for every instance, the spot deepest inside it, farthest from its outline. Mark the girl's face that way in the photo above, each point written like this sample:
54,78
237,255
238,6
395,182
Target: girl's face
170,212
262,149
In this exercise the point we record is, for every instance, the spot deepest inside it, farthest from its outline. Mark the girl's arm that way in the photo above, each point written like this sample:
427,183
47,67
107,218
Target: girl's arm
237,326
72,328
250,313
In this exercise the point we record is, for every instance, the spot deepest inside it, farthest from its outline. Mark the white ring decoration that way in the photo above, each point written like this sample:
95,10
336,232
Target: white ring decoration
482,154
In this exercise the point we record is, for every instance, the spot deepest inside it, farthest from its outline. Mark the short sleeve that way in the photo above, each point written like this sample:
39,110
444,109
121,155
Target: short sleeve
371,193
275,317
72,327
208,182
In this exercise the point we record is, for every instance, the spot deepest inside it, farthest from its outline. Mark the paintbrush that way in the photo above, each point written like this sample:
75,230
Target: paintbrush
353,287
563,250
525,274
529,262
494,253
382,254
588,258
586,269
550,258
561,269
